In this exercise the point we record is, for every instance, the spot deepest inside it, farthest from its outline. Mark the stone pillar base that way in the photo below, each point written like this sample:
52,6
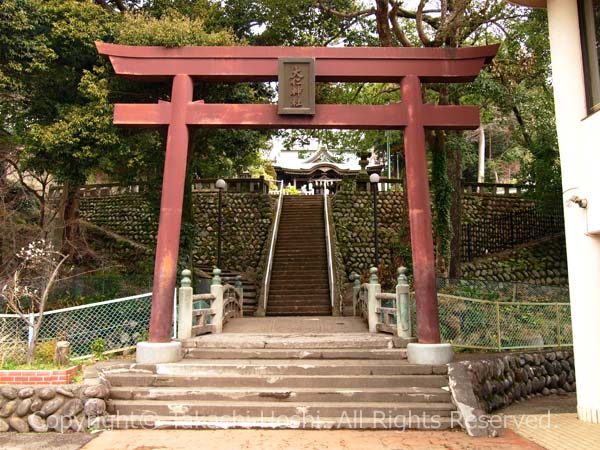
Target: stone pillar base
433,354
158,352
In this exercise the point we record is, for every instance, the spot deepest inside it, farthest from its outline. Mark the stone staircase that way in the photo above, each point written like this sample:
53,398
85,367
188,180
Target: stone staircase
344,380
299,280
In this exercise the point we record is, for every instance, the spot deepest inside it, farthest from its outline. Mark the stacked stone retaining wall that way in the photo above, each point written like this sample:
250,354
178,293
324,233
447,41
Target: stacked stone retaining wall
481,386
51,408
246,221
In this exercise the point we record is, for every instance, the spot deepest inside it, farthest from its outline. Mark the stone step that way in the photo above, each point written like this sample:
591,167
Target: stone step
269,353
294,341
285,313
285,265
280,304
406,394
313,286
145,378
335,409
300,270
300,299
204,367
379,422
294,276
300,310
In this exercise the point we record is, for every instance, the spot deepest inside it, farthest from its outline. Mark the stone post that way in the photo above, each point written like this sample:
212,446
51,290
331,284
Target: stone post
355,278
374,289
216,289
186,292
403,319
240,288
62,353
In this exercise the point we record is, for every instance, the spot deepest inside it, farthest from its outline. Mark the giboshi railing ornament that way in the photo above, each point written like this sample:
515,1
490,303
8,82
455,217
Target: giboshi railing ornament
208,313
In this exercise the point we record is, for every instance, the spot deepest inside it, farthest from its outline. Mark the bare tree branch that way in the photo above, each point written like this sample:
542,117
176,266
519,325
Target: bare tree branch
346,15
398,32
419,22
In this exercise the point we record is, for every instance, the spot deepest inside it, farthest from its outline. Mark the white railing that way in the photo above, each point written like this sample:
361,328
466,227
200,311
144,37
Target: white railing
330,267
208,313
386,312
267,276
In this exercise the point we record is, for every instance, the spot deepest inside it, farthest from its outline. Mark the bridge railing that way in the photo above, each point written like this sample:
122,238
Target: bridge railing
384,312
208,313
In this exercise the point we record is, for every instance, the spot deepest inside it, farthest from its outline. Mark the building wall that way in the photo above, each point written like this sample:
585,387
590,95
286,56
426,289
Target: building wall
578,136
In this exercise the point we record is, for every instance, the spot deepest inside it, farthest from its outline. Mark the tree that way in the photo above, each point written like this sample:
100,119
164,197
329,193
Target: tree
27,288
56,95
441,23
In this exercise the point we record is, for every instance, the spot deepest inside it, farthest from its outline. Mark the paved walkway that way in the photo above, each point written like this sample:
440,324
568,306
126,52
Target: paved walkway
552,423
296,324
541,423
302,440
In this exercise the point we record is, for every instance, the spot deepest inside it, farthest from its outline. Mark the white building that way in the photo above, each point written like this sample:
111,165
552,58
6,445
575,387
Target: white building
574,33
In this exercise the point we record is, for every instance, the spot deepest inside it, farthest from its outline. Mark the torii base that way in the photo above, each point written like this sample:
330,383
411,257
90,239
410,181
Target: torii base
431,354
158,352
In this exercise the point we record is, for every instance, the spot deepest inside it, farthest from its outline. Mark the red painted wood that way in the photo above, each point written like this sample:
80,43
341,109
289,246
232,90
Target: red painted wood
171,203
419,206
204,115
366,64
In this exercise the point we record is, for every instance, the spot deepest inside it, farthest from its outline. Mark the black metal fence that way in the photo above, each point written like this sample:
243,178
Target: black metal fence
505,231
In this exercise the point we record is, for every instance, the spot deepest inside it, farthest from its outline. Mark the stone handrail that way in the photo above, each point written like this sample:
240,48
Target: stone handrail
385,312
262,306
224,303
330,251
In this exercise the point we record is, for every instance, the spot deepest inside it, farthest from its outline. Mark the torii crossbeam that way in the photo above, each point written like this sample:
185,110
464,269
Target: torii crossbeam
409,66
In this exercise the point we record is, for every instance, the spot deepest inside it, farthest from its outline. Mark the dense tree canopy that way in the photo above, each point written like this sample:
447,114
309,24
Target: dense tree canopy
56,93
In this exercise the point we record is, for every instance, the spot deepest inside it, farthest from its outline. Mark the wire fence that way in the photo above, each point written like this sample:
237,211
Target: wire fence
106,326
503,291
503,325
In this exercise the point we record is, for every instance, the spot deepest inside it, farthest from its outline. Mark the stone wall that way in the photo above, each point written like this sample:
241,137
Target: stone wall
543,262
482,386
247,218
246,221
476,207
51,408
353,216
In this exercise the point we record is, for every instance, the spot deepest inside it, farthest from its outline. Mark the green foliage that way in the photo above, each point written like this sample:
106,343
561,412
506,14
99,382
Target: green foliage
97,348
44,351
291,190
172,29
441,200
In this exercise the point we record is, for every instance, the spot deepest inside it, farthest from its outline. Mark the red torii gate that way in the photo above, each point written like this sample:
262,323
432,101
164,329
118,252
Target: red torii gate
409,66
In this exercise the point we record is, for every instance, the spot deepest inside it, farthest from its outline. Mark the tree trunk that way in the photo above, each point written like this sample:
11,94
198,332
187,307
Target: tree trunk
383,24
70,216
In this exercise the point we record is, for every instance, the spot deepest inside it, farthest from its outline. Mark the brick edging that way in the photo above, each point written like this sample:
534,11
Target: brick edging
38,376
